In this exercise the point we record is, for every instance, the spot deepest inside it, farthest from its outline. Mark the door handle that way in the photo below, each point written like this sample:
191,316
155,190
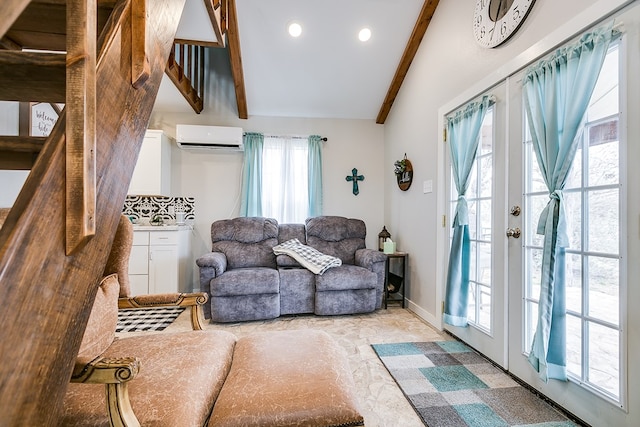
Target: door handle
513,232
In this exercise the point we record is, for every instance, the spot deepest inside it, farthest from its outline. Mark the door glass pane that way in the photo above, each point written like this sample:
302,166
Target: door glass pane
484,315
573,207
603,289
535,205
484,263
473,270
603,153
574,179
574,345
574,283
604,224
485,220
473,220
534,262
486,176
604,356
531,312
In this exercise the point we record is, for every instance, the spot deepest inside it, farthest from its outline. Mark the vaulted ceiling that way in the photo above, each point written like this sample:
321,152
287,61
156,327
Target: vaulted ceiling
326,72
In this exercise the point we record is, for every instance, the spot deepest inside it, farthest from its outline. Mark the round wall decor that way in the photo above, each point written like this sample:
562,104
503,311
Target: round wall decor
404,173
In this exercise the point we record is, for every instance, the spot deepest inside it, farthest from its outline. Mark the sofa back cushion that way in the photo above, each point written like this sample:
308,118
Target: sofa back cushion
337,236
287,232
245,241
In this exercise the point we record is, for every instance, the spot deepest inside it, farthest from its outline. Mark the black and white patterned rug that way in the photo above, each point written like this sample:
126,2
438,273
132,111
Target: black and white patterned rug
147,319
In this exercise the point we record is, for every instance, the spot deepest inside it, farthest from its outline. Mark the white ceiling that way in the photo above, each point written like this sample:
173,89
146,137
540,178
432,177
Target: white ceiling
326,72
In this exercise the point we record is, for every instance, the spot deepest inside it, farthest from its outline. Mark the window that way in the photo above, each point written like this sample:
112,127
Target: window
285,174
594,196
479,199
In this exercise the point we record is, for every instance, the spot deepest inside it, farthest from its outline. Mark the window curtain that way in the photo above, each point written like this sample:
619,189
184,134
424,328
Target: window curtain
315,175
557,91
251,203
463,130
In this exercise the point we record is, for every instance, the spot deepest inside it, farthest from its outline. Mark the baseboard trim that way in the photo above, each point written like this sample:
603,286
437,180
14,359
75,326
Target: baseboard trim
423,314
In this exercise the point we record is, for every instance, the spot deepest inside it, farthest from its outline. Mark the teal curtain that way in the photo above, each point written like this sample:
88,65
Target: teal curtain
315,175
251,203
463,130
557,91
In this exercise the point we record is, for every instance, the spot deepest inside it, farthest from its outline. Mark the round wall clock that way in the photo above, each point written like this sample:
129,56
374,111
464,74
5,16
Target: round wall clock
494,21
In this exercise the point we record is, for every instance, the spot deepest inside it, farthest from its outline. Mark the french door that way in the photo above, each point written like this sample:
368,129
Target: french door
486,198
505,198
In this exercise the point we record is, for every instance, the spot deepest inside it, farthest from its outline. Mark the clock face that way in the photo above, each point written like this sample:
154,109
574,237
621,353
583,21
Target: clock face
495,21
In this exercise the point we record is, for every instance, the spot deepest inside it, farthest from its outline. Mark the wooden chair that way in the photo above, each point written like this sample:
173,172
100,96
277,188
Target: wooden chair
159,379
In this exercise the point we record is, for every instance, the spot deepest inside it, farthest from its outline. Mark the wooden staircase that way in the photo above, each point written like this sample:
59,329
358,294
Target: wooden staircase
55,240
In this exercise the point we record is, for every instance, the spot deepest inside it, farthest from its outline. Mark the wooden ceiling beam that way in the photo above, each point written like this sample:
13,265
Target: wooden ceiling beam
29,76
233,42
424,19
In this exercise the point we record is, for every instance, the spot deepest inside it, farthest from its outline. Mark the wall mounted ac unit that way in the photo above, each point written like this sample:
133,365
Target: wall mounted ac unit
197,137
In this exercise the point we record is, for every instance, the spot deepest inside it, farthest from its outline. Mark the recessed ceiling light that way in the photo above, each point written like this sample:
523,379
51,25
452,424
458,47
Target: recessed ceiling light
295,29
364,34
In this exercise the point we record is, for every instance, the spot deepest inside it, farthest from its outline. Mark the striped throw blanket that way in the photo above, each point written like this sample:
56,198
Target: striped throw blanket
308,257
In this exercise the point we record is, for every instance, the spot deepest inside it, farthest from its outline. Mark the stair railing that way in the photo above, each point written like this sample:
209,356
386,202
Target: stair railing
185,68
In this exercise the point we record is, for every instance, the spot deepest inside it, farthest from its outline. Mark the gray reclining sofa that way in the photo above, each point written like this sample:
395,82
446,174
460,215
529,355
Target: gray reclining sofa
245,280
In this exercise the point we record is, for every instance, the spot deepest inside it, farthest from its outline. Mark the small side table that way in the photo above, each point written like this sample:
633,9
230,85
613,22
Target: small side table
394,284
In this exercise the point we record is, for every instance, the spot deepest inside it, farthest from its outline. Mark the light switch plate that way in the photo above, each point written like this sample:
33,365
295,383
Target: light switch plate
427,186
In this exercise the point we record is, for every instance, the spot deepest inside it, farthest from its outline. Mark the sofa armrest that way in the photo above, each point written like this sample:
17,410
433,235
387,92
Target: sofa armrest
114,373
368,257
193,300
216,262
211,265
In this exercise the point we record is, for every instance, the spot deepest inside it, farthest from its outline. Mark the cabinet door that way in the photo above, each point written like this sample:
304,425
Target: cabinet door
139,260
163,269
138,284
152,174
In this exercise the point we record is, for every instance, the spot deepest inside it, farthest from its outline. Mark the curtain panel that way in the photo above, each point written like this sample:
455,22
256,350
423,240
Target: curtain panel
315,175
251,193
463,131
557,91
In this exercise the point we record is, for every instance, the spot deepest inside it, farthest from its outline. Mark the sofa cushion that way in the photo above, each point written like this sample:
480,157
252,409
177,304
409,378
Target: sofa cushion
336,236
288,378
288,232
346,277
180,377
246,242
101,326
246,281
297,290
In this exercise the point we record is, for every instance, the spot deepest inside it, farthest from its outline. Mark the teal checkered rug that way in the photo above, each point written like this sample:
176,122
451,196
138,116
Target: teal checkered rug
450,385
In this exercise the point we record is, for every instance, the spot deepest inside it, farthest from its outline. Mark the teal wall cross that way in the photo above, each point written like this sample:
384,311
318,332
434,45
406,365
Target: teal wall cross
355,178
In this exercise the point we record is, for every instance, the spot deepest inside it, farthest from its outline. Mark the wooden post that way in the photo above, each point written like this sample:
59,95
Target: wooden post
80,123
140,68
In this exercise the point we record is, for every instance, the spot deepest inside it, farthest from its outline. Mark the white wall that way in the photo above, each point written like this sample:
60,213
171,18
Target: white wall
214,178
10,181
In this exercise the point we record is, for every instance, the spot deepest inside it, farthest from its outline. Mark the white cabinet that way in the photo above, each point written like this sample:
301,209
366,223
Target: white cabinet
160,260
152,174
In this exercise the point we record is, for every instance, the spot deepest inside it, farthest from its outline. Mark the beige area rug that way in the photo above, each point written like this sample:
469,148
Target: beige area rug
382,402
